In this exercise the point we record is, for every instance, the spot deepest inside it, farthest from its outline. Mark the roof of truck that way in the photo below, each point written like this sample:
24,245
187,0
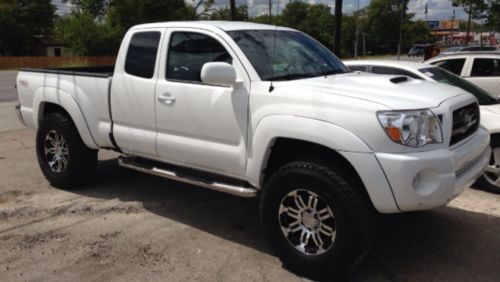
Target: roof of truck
224,25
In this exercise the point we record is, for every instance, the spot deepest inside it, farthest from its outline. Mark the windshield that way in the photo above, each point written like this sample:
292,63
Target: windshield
444,76
295,54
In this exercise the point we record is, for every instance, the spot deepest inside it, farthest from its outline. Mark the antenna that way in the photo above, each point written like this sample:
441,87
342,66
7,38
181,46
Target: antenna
271,87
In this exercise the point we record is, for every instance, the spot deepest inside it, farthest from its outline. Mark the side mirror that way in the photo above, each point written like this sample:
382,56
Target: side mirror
218,73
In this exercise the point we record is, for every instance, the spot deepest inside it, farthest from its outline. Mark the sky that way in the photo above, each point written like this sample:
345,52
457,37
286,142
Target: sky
437,9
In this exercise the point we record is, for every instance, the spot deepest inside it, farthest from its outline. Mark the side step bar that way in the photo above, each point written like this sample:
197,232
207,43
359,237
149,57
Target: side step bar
241,191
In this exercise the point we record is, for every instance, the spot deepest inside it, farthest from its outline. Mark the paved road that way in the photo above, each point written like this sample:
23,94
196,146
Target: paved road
7,82
128,226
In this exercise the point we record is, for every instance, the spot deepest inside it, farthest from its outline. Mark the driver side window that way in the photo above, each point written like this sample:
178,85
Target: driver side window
189,51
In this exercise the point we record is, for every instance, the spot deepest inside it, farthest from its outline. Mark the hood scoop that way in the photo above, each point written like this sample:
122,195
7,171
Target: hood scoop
399,79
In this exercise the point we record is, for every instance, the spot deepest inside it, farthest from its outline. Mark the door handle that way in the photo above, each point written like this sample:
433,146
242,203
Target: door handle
166,98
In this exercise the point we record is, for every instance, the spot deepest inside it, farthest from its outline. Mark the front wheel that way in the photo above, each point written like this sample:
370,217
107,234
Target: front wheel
490,180
318,224
64,159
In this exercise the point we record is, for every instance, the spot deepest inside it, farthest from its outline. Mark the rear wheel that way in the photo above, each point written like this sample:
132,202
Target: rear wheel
64,159
490,180
318,224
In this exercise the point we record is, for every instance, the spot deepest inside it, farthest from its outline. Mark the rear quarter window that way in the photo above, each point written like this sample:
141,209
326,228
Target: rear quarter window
141,54
453,65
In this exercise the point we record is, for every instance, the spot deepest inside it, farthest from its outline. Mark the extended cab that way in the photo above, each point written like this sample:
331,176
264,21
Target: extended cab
257,110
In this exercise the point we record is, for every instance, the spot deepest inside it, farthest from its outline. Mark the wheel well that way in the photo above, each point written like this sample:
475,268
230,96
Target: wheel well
50,108
285,150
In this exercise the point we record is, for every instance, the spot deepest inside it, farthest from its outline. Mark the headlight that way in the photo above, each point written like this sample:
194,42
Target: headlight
412,128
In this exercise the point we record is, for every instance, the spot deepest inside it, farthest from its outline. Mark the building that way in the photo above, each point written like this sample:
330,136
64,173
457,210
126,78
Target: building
47,46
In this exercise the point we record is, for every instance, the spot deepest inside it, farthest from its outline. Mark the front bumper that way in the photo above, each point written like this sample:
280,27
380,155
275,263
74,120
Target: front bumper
426,180
20,114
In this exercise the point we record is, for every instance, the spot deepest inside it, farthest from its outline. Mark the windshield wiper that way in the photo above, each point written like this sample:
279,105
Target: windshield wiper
292,76
331,72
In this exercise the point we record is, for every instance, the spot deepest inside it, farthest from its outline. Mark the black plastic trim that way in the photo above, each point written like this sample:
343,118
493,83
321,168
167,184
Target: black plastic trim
104,71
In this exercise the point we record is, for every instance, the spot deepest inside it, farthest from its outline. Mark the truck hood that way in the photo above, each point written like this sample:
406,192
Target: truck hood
396,92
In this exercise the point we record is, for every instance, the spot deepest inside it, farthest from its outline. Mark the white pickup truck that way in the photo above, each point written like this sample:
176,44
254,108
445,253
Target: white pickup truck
262,111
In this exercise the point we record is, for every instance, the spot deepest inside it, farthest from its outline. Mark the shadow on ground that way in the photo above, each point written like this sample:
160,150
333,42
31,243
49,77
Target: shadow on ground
443,244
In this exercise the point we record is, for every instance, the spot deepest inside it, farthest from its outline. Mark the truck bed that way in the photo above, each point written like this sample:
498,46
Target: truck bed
84,90
95,71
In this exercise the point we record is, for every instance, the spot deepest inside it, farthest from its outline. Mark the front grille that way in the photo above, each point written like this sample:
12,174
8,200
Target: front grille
465,122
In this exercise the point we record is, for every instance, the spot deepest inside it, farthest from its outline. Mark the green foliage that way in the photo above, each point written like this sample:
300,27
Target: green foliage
95,27
493,20
382,25
313,19
474,26
123,14
20,21
224,14
87,36
416,32
476,8
93,7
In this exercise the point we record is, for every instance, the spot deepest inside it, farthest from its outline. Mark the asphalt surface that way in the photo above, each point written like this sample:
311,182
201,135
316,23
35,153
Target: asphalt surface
128,226
7,82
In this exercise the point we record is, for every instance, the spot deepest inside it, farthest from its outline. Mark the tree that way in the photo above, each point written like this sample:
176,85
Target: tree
21,21
123,14
96,8
493,19
313,19
224,14
417,32
382,25
232,7
270,6
200,10
474,8
338,27
87,36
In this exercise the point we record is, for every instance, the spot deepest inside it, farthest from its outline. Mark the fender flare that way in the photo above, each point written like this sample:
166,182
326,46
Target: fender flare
300,128
64,100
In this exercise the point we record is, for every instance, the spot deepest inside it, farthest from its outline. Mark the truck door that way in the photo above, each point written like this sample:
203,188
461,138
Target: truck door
133,93
485,73
199,125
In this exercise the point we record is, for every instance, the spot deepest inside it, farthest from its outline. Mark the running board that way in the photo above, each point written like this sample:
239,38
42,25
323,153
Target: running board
241,191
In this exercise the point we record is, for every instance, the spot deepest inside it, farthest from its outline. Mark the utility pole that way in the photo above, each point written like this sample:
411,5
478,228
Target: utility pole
270,11
468,23
426,21
401,10
357,32
364,45
338,27
232,7
453,28
481,33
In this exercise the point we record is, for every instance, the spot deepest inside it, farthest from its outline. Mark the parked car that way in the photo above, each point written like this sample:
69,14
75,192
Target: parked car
213,104
416,51
467,48
480,68
489,105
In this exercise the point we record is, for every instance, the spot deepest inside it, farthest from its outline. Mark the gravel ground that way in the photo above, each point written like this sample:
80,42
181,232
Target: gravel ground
127,226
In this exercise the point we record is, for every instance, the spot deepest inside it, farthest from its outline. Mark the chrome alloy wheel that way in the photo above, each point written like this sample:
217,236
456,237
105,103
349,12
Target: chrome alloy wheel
492,171
56,151
307,222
